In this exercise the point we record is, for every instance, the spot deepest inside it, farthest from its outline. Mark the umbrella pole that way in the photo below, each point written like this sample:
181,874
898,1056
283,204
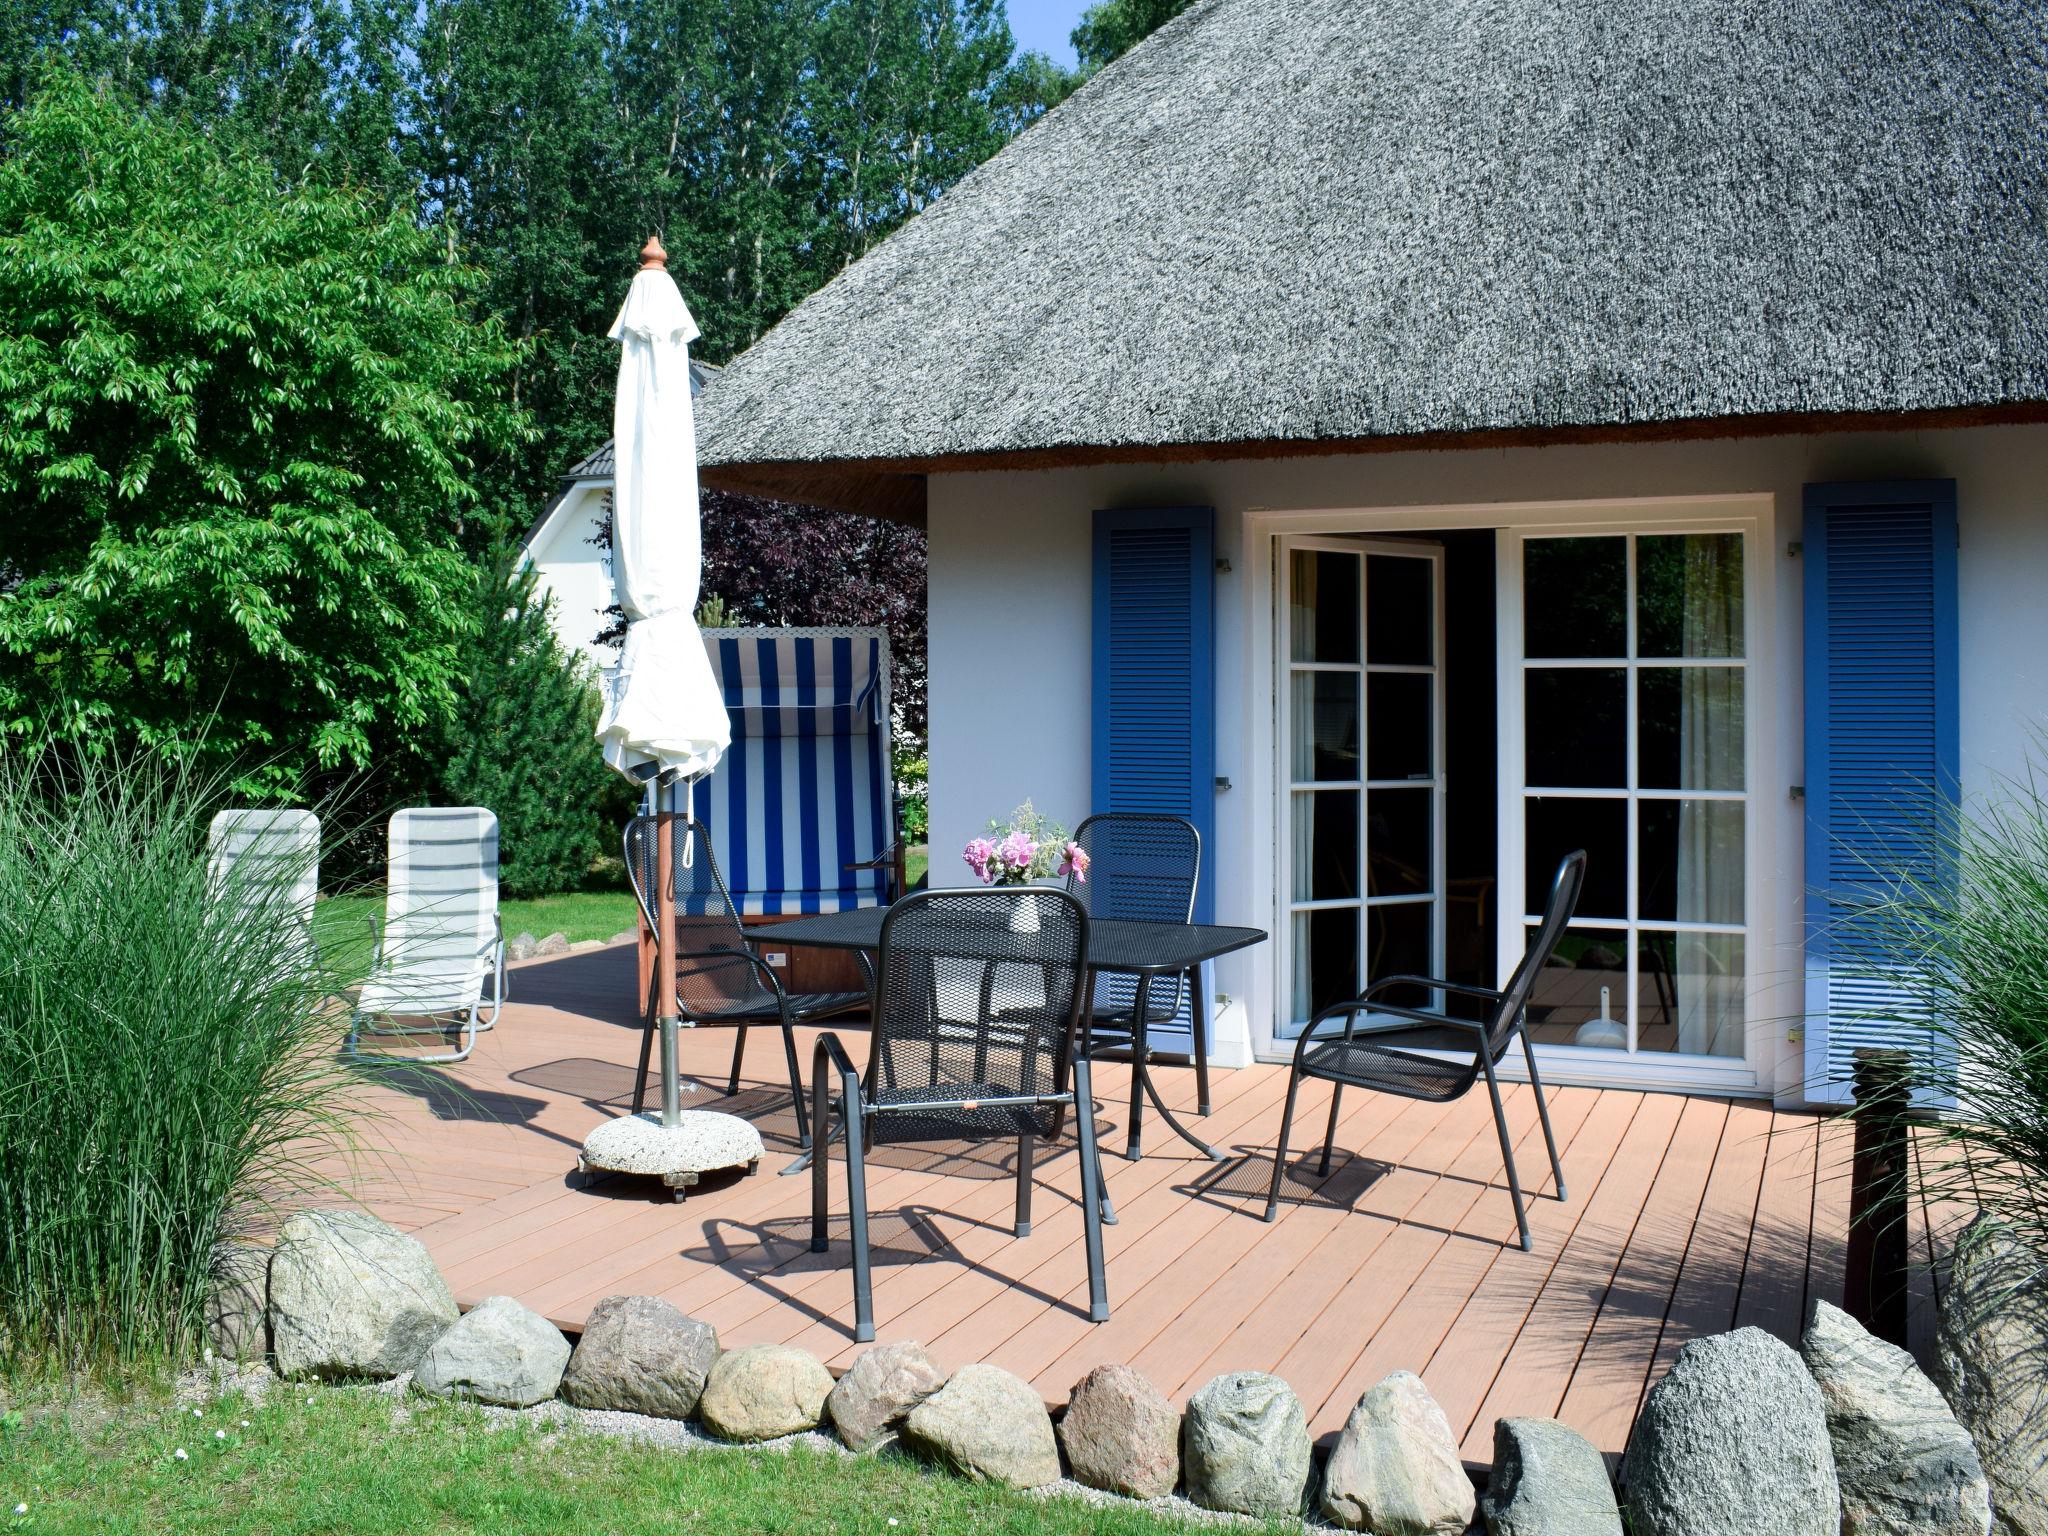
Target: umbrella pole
665,961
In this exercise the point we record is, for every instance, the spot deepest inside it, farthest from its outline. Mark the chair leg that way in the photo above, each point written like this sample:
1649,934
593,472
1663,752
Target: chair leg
739,1056
1025,1144
857,1212
820,1154
1542,1112
796,1085
1199,994
646,1047
1507,1150
1280,1147
1093,1196
1330,1131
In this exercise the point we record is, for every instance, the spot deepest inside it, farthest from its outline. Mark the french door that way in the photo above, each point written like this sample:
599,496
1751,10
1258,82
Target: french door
1360,708
1626,731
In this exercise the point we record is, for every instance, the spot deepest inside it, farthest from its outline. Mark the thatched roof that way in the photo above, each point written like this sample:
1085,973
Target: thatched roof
1287,225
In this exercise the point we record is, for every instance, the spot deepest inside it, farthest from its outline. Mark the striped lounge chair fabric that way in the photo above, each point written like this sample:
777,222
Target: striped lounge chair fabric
442,940
807,787
264,865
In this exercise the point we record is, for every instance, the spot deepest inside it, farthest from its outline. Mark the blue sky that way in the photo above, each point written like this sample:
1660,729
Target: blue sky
1044,24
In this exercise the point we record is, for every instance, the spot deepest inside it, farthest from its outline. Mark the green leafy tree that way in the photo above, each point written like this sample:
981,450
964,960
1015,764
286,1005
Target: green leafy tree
1111,28
522,740
240,429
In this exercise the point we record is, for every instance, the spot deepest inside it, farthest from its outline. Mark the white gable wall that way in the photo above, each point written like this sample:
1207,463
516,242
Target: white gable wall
575,572
1010,632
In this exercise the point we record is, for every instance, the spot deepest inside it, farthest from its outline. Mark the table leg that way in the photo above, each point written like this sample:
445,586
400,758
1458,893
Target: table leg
1142,1086
1133,1150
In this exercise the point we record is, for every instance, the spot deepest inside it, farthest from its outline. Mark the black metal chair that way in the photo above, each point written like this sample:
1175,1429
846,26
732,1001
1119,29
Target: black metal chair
1143,866
977,996
1421,1053
721,982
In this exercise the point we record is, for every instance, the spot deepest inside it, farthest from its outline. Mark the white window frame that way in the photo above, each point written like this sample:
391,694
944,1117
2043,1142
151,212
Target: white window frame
1751,512
1601,1063
1286,1027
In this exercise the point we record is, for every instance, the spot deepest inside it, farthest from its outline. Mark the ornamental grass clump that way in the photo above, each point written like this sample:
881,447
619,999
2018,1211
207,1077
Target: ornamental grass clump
1961,943
168,1065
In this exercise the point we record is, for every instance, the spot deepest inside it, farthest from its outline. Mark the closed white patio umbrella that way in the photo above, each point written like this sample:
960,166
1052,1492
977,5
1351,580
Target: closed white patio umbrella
664,719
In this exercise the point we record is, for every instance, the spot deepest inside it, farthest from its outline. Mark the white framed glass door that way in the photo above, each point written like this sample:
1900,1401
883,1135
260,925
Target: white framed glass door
1360,731
1627,731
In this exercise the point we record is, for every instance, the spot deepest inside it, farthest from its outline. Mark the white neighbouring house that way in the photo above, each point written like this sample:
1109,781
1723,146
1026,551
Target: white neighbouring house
566,545
1413,441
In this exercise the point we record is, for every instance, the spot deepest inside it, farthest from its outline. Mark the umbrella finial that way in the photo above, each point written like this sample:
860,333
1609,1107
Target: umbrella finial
652,257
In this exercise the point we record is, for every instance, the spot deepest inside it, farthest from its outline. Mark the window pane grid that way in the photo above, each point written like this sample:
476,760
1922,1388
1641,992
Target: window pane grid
1694,958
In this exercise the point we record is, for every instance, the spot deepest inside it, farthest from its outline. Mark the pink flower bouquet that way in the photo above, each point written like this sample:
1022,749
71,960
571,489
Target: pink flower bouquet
1028,847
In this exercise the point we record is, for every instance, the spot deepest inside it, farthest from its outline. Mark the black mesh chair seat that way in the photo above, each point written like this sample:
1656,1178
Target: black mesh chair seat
801,1006
975,1009
1371,1042
1368,1064
721,980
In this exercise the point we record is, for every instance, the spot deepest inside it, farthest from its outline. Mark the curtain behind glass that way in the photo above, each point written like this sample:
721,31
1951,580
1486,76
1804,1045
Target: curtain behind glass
1710,851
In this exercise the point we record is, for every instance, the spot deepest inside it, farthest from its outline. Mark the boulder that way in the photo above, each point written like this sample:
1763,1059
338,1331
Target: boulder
640,1354
1395,1470
1245,1446
238,1300
1547,1481
987,1425
585,946
498,1352
521,947
874,1397
630,936
764,1392
1120,1433
1991,1362
352,1296
1906,1466
553,944
1733,1439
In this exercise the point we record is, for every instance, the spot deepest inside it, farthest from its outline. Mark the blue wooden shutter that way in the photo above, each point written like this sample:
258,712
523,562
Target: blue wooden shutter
1882,727
1154,731
1154,723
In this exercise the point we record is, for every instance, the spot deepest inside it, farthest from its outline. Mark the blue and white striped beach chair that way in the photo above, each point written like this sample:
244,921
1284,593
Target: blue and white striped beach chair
802,809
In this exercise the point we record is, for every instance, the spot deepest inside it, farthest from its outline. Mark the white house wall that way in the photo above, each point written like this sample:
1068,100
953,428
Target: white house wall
575,572
1010,630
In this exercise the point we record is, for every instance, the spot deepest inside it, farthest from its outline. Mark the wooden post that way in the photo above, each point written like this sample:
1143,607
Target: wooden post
665,960
1874,1287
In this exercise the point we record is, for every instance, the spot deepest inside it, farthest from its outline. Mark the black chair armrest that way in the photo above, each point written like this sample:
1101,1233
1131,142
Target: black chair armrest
1410,1017
830,1053
1433,984
713,959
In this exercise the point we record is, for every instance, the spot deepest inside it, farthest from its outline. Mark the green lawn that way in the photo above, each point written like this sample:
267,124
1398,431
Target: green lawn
331,1461
347,925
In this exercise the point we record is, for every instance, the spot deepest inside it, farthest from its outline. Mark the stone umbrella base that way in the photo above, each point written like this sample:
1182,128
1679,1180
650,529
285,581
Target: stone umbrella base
700,1142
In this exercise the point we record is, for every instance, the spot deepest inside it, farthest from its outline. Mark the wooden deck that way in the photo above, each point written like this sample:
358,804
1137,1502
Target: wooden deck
1686,1216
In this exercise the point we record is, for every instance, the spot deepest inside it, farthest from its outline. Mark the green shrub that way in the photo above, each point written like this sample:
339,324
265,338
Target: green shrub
523,741
1965,948
167,1060
242,430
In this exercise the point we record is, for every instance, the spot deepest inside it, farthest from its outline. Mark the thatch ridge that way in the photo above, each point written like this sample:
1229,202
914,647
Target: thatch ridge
1320,221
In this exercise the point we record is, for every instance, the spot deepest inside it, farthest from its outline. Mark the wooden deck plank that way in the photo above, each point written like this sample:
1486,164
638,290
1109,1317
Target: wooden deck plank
930,1301
1710,1274
1533,1308
1479,1332
1616,1343
1411,1266
1774,1269
1338,1319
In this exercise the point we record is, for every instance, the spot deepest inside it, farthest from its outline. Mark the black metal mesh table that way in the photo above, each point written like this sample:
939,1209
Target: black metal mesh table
1118,946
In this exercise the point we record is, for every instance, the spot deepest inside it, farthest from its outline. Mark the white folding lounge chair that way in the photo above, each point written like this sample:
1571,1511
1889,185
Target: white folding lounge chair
266,863
442,939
